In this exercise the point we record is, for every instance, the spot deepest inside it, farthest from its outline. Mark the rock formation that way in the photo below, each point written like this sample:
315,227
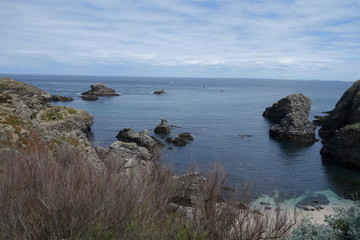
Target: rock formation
291,115
89,97
159,92
162,128
143,139
99,89
28,123
58,98
340,130
181,140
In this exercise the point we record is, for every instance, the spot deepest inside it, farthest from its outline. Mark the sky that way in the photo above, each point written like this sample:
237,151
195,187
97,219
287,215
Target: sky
281,39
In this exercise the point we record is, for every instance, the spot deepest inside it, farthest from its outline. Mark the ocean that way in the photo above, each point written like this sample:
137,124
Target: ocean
225,118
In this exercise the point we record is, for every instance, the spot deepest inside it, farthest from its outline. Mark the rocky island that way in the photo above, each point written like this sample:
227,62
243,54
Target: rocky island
98,90
291,116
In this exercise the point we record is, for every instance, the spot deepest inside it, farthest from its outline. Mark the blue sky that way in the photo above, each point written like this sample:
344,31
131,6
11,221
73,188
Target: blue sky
285,39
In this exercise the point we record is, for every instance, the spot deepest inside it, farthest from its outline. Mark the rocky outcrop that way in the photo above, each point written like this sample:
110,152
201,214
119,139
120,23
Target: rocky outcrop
340,130
181,140
346,111
295,103
143,139
90,97
163,127
291,114
99,89
58,98
28,121
293,128
159,92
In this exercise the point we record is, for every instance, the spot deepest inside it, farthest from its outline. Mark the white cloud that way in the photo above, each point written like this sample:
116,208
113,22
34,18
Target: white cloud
239,34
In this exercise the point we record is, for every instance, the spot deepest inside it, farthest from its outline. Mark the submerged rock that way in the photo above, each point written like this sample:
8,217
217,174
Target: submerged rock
58,98
341,129
178,141
186,136
291,114
99,89
162,128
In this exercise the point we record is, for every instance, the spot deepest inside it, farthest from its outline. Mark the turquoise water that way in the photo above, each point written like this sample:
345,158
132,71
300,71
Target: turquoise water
217,112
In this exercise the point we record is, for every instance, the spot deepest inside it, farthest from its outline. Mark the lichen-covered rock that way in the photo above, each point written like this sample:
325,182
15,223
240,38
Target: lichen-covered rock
291,114
143,139
162,128
58,98
294,129
293,103
29,122
99,89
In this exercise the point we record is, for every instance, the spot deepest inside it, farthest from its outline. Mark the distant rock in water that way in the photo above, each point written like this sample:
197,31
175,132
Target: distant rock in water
341,129
186,136
99,89
159,92
291,114
58,98
162,128
89,97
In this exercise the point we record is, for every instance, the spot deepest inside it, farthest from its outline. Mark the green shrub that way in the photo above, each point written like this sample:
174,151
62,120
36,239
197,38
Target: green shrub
345,224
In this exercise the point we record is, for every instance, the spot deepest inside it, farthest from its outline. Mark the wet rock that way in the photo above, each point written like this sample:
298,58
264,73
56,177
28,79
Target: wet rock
180,142
58,98
186,136
99,89
89,97
162,128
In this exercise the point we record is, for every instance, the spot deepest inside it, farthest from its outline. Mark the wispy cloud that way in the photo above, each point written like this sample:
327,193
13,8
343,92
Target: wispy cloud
233,38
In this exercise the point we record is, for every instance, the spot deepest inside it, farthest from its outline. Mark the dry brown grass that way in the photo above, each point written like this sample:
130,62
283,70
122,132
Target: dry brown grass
44,197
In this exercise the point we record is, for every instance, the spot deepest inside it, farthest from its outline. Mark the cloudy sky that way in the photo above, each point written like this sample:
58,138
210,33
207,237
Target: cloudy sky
285,39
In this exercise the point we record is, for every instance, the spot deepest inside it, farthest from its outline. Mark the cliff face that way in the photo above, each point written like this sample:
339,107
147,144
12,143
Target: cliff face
341,128
28,121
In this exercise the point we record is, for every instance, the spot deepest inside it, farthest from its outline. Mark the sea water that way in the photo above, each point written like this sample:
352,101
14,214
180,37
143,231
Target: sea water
225,118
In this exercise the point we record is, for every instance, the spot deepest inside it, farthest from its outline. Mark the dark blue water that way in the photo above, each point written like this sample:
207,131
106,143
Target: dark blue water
216,112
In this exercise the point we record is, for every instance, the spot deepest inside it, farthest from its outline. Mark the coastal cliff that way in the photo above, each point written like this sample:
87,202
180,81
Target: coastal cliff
340,130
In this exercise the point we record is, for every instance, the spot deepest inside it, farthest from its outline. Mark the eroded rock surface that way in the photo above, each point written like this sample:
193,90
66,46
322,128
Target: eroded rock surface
291,115
340,130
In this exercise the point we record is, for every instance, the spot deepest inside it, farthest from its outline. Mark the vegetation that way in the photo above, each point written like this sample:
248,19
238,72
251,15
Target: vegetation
60,197
345,224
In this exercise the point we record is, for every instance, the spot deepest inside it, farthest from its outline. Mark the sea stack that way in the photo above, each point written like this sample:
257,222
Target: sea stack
291,116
